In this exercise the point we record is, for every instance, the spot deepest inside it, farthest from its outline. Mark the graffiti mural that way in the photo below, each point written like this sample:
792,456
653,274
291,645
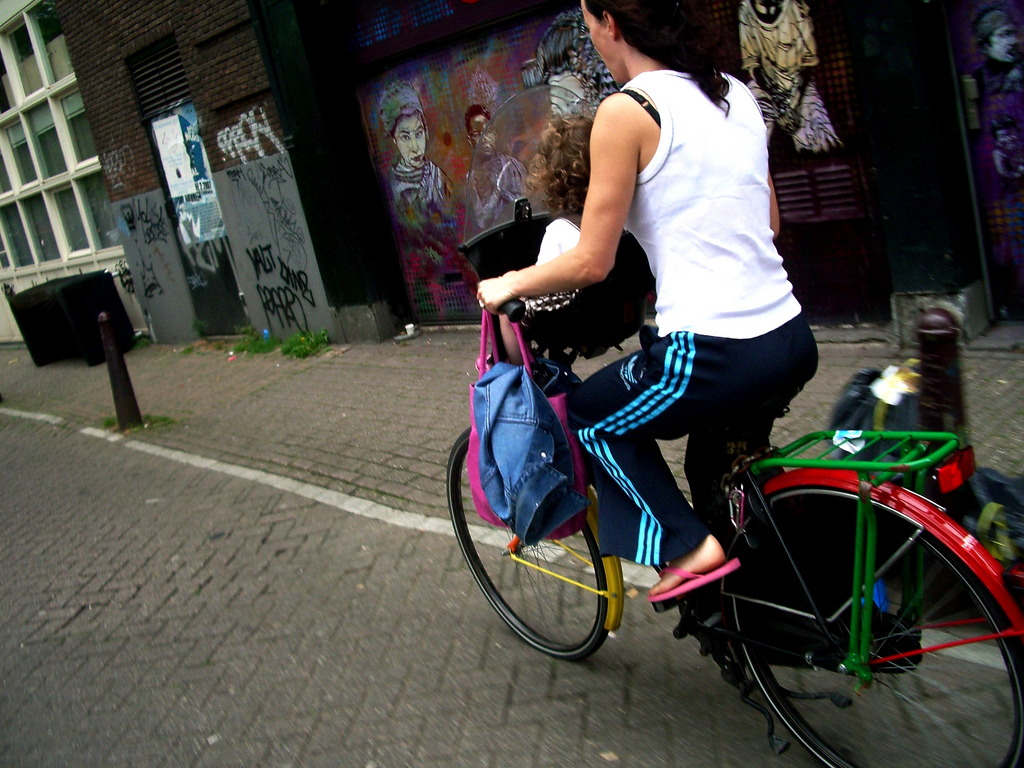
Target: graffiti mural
987,49
779,54
155,266
796,56
201,240
424,119
274,264
565,56
118,166
246,139
124,276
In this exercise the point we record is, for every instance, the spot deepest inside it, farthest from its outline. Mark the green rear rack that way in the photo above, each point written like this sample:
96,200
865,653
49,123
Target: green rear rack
875,457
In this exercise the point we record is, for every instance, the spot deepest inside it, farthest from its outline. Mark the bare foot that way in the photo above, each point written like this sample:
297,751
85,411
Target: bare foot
706,557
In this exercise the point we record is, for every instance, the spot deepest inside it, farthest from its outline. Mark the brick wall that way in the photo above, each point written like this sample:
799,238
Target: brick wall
222,62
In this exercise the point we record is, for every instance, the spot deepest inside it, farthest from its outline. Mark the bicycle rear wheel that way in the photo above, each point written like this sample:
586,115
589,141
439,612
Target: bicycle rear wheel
953,706
556,610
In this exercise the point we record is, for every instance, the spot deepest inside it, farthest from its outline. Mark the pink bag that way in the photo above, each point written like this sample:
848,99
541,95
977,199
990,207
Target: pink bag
560,405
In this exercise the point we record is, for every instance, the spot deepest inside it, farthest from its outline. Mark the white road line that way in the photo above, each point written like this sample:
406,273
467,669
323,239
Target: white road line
102,434
29,415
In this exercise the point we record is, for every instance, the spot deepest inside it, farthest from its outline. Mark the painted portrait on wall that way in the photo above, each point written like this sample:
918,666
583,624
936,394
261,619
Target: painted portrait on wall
424,119
444,98
779,55
987,47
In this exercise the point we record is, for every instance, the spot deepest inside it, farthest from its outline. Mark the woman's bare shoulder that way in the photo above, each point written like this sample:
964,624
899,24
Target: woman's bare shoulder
623,129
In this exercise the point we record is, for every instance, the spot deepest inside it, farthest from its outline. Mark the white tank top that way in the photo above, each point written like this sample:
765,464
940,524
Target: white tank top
701,210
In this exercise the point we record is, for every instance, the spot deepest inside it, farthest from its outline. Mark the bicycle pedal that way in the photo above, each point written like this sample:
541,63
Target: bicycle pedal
712,621
667,605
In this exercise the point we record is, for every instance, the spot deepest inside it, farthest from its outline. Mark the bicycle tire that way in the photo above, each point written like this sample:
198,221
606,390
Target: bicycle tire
558,618
954,706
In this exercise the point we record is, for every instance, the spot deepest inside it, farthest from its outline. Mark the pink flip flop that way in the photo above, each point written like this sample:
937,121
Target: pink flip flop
693,580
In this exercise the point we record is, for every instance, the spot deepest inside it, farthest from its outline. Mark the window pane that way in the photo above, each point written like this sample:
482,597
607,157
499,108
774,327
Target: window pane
16,236
5,181
39,228
6,96
23,51
22,156
48,151
81,136
45,15
104,225
3,258
71,219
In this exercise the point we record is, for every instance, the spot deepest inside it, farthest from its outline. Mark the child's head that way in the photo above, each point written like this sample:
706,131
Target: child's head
560,171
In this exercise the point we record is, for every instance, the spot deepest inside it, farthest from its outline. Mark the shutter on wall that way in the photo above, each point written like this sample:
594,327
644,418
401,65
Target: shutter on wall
826,192
159,78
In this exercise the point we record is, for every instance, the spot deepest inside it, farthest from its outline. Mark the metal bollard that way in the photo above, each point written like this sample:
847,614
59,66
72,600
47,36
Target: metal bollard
942,404
125,405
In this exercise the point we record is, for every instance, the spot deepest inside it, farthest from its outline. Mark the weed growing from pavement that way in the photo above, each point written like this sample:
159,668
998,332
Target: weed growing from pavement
142,341
148,422
255,343
300,345
303,345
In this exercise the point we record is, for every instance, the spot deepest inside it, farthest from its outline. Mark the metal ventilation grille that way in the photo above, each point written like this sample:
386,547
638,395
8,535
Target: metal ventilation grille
159,78
822,193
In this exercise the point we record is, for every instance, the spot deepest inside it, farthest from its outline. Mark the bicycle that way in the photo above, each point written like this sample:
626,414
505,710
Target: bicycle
875,627
923,653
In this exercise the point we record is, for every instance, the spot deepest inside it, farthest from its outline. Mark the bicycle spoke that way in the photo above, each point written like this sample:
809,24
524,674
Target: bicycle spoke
552,594
947,673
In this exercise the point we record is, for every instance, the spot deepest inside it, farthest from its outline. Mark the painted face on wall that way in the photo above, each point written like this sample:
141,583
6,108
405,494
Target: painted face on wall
1003,44
561,102
767,10
411,139
1007,139
476,126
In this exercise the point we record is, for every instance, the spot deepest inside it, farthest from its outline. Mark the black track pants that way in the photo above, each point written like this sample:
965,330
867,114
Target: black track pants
672,385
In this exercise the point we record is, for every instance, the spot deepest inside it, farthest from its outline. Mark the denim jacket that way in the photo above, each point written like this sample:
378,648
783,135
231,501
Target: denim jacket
525,462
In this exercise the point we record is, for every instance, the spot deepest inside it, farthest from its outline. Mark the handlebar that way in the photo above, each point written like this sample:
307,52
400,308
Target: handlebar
513,309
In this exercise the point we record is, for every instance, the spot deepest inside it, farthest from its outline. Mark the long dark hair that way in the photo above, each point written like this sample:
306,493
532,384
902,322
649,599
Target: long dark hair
673,32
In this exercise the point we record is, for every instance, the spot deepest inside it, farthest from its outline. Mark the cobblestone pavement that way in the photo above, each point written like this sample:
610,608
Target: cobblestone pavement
268,580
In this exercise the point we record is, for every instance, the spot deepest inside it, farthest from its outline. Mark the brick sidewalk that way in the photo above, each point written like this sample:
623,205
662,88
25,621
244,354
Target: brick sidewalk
377,421
163,612
158,614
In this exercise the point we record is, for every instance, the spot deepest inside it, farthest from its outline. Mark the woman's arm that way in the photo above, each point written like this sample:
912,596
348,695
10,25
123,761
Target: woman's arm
620,138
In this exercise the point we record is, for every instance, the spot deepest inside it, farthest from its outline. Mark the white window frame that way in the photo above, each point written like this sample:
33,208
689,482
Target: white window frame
51,94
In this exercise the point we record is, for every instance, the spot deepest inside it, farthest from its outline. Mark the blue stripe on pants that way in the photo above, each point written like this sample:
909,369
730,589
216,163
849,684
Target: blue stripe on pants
678,366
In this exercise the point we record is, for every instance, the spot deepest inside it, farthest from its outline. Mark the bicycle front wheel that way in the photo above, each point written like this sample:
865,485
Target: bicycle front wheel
941,693
550,594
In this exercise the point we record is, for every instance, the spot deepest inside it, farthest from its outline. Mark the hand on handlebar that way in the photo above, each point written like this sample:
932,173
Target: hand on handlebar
492,294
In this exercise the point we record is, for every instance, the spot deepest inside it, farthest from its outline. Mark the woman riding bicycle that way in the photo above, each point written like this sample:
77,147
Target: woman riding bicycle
681,161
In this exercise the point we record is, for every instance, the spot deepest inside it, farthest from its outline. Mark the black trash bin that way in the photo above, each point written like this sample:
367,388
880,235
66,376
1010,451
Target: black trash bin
59,319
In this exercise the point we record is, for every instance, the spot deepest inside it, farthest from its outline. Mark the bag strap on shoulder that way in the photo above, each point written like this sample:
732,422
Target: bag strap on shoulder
644,101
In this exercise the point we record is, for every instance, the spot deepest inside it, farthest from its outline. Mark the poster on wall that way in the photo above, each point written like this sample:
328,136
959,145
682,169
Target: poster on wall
174,158
186,170
987,49
423,118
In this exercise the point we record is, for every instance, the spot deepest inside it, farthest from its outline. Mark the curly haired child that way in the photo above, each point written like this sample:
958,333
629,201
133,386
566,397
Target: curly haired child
560,174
